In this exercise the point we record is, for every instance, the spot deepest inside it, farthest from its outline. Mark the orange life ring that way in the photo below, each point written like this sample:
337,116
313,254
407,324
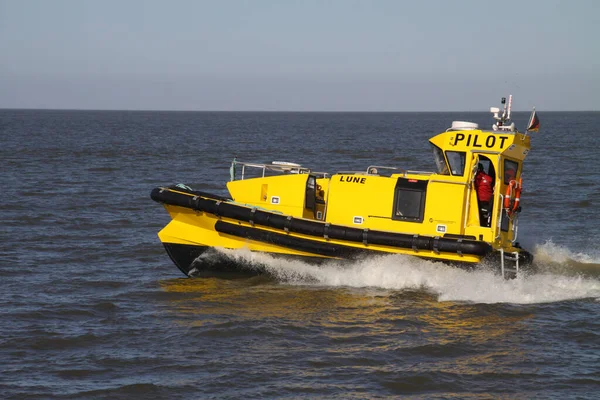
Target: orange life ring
513,196
517,195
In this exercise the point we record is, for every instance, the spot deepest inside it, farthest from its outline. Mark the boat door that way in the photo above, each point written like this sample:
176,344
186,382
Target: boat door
310,197
485,187
511,169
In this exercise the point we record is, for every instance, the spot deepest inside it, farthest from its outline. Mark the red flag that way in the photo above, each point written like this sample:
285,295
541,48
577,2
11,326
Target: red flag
534,123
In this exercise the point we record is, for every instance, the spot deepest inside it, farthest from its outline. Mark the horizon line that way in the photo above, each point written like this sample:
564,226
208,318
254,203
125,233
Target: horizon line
268,111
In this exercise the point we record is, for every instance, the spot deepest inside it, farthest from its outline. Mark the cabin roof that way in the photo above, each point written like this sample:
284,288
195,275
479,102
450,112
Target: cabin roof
512,144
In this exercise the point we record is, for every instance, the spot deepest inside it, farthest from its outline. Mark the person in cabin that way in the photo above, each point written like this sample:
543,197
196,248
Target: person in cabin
485,190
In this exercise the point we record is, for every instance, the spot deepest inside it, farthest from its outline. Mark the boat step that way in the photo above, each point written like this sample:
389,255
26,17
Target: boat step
510,265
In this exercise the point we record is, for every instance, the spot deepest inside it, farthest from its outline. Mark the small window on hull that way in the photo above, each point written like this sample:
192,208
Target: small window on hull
409,200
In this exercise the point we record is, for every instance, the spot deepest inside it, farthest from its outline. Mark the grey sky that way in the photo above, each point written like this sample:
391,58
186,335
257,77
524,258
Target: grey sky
323,55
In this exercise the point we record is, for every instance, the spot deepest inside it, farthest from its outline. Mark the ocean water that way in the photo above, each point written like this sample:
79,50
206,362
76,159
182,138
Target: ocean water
91,307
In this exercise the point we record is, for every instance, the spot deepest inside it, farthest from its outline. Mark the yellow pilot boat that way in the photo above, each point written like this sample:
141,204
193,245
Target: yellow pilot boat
284,208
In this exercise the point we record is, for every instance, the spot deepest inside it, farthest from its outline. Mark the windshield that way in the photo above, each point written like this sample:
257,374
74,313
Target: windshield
457,162
440,162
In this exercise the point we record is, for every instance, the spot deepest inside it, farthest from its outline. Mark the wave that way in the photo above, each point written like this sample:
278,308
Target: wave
553,258
400,272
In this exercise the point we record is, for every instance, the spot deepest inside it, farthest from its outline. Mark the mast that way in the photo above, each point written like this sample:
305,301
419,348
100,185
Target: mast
503,122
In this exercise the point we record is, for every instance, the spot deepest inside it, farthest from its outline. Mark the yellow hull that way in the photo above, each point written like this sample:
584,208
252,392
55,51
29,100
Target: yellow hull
198,229
192,231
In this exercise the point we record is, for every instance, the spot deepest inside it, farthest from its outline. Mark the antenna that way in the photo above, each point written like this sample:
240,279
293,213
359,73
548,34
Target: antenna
503,122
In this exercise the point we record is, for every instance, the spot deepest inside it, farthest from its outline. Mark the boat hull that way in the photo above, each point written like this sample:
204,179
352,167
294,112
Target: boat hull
205,261
199,261
185,256
200,222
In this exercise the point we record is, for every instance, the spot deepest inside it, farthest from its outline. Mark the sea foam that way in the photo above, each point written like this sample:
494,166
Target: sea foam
400,272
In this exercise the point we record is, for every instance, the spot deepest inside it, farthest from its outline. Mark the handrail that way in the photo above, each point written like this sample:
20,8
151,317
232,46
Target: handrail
515,222
291,168
400,171
515,225
499,219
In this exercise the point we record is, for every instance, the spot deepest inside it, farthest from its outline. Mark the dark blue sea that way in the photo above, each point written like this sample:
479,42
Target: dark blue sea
91,307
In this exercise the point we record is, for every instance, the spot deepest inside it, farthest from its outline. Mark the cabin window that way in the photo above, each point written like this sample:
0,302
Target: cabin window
409,200
510,170
309,200
456,159
440,161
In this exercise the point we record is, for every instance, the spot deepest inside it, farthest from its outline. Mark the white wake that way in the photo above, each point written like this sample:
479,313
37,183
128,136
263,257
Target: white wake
398,272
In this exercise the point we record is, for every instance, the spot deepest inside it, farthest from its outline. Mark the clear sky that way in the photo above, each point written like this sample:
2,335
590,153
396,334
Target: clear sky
303,55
